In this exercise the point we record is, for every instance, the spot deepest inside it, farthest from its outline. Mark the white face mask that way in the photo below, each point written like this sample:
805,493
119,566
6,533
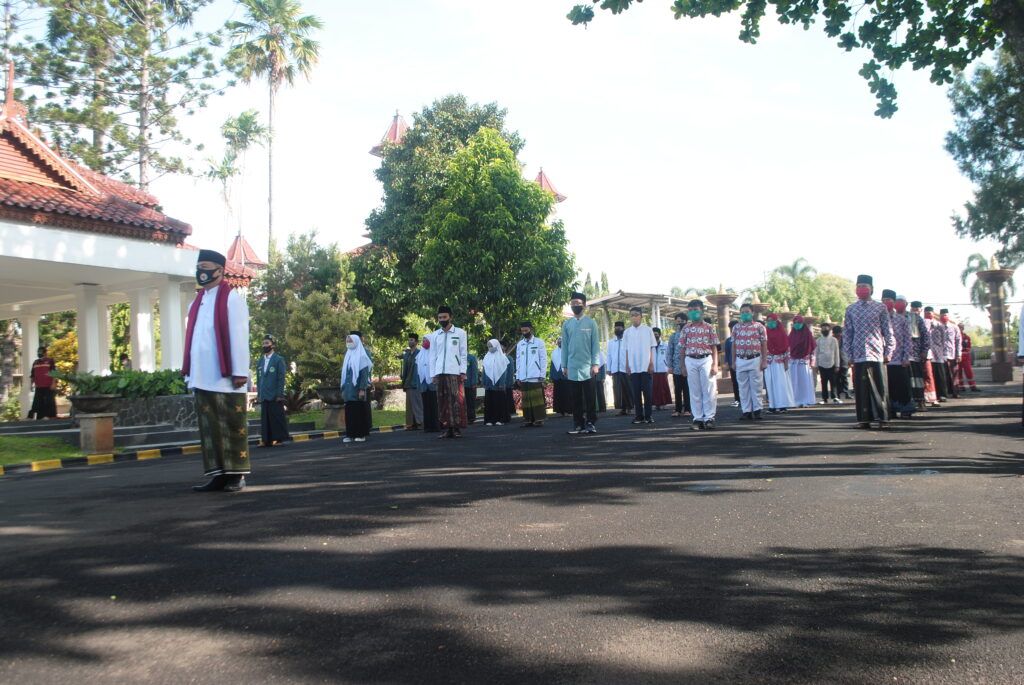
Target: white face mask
350,345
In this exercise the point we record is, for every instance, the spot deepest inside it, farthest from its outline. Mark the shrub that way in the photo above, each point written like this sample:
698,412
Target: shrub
130,384
11,409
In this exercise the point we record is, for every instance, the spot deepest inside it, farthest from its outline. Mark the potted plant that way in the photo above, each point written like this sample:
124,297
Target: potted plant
91,394
323,375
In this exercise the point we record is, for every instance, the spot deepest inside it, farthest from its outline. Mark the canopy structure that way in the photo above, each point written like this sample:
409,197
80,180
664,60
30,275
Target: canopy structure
660,308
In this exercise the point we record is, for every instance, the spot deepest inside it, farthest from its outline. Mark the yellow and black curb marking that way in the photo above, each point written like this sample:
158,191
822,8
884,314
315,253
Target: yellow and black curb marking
146,455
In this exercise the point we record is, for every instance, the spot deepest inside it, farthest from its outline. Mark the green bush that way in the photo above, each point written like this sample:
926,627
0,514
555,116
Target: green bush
130,384
11,409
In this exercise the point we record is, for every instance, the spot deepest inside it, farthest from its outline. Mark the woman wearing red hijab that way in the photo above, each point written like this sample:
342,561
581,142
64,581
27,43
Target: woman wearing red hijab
776,376
801,360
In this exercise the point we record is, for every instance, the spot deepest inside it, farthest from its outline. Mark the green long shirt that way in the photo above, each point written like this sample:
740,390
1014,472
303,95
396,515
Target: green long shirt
580,347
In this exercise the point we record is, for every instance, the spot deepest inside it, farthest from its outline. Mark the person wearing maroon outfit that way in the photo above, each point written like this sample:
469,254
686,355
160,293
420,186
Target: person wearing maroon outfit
44,404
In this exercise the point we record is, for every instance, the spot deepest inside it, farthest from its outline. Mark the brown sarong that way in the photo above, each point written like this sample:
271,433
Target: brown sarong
451,401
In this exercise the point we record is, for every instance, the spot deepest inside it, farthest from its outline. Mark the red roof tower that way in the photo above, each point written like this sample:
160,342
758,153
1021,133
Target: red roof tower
394,135
544,182
242,253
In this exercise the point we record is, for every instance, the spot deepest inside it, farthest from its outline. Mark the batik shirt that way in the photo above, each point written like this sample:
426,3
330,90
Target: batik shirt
936,340
697,339
672,357
747,339
953,340
904,343
867,333
922,339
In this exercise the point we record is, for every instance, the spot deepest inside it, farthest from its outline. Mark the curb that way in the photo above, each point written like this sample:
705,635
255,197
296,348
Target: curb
146,455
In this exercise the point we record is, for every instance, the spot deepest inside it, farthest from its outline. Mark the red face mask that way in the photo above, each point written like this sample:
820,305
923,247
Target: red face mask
863,292
888,305
901,307
929,315
943,318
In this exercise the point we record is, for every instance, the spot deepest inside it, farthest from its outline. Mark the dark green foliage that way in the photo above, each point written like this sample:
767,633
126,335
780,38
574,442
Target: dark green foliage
130,384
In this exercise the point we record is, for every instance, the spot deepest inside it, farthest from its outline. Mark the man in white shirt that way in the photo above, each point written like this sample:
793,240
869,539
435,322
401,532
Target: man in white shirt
531,368
639,343
616,366
449,350
216,370
826,355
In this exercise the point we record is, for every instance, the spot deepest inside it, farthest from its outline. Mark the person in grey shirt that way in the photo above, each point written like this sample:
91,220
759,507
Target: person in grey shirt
675,365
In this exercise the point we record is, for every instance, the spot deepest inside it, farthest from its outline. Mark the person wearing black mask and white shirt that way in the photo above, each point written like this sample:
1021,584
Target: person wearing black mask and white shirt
449,351
615,364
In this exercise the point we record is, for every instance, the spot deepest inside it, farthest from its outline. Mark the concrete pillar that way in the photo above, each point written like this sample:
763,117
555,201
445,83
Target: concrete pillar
96,433
105,337
29,344
607,327
89,318
172,330
1002,360
143,354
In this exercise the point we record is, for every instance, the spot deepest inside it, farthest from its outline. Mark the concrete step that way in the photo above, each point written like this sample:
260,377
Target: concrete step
33,427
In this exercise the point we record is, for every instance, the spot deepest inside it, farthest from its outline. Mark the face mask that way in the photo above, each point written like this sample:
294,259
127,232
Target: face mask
680,324
445,324
773,324
350,345
746,317
527,336
929,315
889,304
618,332
204,276
943,318
863,292
695,316
901,307
826,332
577,309
267,349
798,326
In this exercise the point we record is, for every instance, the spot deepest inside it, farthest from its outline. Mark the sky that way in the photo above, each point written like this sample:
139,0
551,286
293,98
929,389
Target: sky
688,157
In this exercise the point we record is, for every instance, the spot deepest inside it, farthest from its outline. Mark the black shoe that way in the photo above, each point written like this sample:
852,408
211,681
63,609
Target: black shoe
747,416
591,428
236,484
709,425
649,421
975,390
694,426
783,411
757,415
212,485
578,430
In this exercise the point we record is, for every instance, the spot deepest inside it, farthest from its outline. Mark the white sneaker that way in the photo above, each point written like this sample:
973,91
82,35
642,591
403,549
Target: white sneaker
498,423
735,403
360,439
488,424
837,401
347,440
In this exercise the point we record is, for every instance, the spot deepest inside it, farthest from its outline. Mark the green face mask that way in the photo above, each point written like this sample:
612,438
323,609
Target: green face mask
798,326
695,316
773,324
746,317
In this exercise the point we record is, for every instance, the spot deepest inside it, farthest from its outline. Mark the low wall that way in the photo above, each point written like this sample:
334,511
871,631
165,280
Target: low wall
177,410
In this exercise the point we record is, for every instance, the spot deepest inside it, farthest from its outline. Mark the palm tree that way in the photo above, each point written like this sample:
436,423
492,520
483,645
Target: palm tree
240,134
273,44
798,268
978,290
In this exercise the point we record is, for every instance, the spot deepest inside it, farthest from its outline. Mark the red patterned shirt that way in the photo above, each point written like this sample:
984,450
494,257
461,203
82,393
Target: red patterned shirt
41,369
747,339
697,339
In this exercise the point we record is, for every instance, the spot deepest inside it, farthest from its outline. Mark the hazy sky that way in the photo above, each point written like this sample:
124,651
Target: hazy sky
689,158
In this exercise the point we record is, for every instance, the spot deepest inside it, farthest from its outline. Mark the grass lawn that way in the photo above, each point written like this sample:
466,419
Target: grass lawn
382,417
18,450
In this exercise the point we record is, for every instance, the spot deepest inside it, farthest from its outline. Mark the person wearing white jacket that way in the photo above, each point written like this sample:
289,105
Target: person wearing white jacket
449,349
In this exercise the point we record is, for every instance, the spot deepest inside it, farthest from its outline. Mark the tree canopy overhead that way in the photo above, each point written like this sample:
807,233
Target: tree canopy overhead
942,36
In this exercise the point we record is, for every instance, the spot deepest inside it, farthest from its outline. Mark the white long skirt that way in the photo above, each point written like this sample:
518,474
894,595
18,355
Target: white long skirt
801,376
780,393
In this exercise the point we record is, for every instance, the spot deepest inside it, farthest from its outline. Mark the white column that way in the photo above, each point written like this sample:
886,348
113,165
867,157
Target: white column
106,335
89,320
29,345
171,325
143,355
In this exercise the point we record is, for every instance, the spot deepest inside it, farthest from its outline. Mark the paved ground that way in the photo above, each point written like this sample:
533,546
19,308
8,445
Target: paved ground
797,550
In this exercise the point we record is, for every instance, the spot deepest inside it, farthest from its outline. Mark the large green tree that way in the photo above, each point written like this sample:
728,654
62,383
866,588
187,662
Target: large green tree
489,249
414,176
824,294
939,35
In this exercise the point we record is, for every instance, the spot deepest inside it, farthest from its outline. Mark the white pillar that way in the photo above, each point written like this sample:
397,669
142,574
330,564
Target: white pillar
106,335
143,355
171,325
29,345
89,330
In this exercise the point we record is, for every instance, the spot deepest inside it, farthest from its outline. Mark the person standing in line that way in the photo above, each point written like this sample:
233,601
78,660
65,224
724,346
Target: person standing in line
843,374
918,354
599,385
531,360
356,373
428,391
270,372
727,363
411,385
901,399
679,385
497,377
749,351
622,393
581,360
869,343
216,370
640,344
662,395
449,352
953,350
698,347
826,354
470,386
44,402
801,362
966,369
780,391
937,355
561,391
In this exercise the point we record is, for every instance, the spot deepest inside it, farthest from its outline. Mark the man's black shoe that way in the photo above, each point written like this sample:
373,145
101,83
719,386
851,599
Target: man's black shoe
650,421
695,426
747,416
757,415
237,484
709,425
212,485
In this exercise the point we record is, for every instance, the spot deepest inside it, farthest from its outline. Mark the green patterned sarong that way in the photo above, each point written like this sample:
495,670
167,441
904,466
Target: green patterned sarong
533,402
223,432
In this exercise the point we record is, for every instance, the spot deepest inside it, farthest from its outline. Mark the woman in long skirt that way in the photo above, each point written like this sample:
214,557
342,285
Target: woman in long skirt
428,391
355,388
801,362
496,381
776,376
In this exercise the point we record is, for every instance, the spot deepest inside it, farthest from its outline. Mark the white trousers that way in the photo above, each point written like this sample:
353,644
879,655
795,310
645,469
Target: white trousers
750,378
703,389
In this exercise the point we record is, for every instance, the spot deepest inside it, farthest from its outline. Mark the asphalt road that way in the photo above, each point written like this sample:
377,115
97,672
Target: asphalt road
797,550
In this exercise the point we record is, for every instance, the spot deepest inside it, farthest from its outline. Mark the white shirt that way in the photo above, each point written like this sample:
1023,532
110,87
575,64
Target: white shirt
616,356
826,352
531,360
638,342
448,351
660,357
205,362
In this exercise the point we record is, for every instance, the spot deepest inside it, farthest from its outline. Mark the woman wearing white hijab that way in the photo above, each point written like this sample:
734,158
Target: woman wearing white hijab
428,391
496,382
356,372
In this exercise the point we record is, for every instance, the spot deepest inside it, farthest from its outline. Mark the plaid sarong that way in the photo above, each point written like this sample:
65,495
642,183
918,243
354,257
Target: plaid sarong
451,401
223,432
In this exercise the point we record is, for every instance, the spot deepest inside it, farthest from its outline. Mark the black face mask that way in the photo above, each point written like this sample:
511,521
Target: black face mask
445,324
527,336
826,331
577,309
204,276
267,349
618,332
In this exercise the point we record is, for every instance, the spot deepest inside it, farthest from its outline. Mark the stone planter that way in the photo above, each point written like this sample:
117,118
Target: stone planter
331,395
334,406
94,404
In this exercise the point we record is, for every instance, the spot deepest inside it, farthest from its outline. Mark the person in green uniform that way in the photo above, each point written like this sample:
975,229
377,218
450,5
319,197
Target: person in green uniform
580,361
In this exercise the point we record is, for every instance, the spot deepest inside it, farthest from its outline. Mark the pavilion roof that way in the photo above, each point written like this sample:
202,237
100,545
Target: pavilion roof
545,183
241,251
394,135
621,302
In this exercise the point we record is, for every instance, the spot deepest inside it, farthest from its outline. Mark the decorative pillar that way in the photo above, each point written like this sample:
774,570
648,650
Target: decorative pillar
143,355
994,278
89,322
29,345
607,324
722,301
787,317
810,319
171,325
759,307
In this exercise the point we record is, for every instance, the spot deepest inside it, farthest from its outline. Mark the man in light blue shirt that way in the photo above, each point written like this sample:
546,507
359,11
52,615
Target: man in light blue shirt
581,360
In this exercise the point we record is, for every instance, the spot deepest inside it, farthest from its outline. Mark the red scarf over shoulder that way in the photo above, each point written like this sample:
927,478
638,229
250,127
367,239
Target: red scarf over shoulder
220,329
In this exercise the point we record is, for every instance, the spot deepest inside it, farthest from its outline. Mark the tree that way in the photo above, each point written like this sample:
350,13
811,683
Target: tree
978,289
823,294
988,146
240,133
798,268
273,44
489,249
316,334
413,174
940,35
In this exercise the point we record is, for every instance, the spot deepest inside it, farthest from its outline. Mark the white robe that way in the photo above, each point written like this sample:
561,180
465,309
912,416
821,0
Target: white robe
205,362
780,393
802,378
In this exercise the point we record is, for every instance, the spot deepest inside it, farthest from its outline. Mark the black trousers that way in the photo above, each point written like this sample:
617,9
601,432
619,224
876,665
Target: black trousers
843,381
829,389
951,373
584,402
273,422
735,384
642,385
44,404
495,407
871,390
470,404
939,371
357,423
682,392
431,420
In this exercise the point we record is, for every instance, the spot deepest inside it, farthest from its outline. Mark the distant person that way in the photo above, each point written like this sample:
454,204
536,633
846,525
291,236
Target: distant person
581,360
44,402
531,362
954,348
125,362
749,360
727,363
659,379
869,343
411,385
497,376
843,375
937,355
615,354
901,399
801,362
640,344
918,356
471,384
449,353
826,356
428,391
698,347
966,369
780,391
270,373
679,385
561,392
356,373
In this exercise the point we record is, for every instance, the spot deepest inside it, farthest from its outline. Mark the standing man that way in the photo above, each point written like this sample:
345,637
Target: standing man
428,391
901,398
966,369
216,369
640,344
749,360
471,384
581,359
953,350
662,396
411,385
531,362
826,354
937,355
44,403
727,363
698,345
449,350
270,370
616,366
679,385
918,355
869,343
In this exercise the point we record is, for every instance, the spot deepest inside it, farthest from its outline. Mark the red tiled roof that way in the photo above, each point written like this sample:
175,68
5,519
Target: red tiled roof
241,251
394,135
545,183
